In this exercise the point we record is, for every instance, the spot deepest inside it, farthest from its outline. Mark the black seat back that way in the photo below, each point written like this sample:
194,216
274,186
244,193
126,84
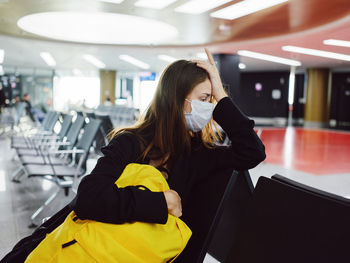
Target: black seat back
106,124
228,215
89,134
47,119
74,129
105,128
86,140
52,121
289,222
67,121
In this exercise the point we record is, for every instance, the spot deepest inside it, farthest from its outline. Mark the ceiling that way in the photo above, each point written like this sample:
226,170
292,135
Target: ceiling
304,23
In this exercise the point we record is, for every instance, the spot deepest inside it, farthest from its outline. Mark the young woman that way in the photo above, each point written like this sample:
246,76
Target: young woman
176,135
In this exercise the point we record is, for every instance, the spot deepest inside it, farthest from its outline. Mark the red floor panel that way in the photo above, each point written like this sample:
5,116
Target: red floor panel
315,151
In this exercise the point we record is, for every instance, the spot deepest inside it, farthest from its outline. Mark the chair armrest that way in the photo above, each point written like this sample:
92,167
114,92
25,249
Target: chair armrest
67,151
55,143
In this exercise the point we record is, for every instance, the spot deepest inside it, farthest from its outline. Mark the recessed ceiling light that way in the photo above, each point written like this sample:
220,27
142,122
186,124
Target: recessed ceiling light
244,8
1,70
336,42
315,52
200,6
256,55
134,61
2,55
94,61
48,58
98,28
155,4
242,66
167,58
113,1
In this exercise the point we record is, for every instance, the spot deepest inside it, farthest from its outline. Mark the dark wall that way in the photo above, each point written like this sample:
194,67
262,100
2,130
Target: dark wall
256,91
229,72
340,99
299,104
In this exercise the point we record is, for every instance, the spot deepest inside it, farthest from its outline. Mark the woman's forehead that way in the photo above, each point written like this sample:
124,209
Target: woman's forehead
203,87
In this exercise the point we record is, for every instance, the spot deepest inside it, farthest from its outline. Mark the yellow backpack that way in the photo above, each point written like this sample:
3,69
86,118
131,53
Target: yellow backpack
138,242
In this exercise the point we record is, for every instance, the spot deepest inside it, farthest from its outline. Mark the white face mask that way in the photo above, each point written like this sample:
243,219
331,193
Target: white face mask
200,115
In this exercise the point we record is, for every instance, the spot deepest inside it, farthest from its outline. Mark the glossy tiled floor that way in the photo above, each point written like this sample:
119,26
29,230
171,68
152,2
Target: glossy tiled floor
318,158
319,152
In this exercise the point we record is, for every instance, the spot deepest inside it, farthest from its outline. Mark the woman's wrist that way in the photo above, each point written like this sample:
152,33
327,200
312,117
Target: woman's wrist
220,96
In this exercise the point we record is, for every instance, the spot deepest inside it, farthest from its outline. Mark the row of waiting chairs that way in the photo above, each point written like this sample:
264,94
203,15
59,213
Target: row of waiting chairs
59,157
120,116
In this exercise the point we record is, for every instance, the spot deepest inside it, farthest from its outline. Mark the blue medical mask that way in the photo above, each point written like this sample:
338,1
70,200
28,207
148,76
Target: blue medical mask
200,115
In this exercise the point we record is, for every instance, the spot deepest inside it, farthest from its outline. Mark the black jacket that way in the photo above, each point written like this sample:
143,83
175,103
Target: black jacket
194,176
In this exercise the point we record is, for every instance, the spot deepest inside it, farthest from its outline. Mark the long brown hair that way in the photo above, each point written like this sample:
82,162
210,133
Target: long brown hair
162,131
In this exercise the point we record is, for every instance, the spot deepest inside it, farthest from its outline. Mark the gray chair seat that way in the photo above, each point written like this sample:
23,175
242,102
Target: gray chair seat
22,145
42,170
26,152
30,159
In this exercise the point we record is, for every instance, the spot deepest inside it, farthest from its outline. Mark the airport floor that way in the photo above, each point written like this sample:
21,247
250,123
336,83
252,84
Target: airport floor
318,158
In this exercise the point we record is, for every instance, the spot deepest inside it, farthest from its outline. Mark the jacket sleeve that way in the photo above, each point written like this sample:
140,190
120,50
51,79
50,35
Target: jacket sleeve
99,199
246,150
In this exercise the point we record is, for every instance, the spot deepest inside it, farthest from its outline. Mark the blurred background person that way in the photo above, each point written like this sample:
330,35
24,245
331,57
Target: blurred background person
26,100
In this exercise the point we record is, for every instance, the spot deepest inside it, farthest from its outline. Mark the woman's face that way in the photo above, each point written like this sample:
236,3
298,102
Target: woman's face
201,92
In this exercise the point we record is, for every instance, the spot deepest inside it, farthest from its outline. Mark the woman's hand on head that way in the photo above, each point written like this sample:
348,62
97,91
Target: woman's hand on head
218,91
173,202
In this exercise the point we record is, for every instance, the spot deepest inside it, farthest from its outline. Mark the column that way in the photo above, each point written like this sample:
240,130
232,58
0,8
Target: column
107,85
317,103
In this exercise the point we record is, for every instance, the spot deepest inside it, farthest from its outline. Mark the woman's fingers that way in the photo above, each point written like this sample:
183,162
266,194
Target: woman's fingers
173,201
204,66
210,57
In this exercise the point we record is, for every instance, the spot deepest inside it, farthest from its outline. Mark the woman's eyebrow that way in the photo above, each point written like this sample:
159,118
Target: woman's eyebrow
208,94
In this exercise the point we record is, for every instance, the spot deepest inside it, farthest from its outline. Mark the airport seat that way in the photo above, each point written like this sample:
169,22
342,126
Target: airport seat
68,140
31,141
105,128
55,143
224,225
286,221
38,156
64,176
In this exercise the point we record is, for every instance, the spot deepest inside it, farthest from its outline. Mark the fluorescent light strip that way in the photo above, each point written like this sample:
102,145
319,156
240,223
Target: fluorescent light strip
2,55
113,1
47,57
154,4
290,62
291,86
167,58
94,61
134,61
315,52
244,8
200,6
336,42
